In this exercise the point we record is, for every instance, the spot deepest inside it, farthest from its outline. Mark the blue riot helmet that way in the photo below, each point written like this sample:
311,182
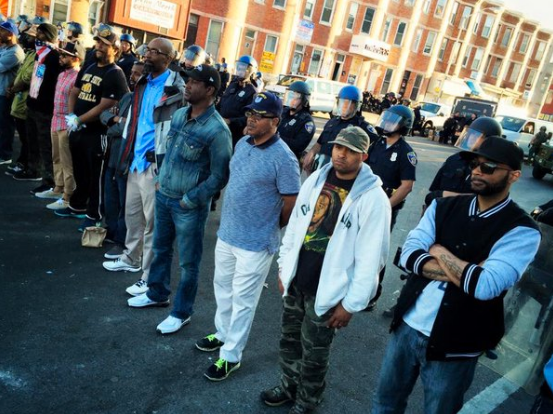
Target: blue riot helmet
21,18
75,28
348,102
127,37
396,119
39,20
472,137
193,56
298,93
246,66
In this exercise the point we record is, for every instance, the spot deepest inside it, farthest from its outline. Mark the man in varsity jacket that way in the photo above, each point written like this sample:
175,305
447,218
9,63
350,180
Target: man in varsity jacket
465,253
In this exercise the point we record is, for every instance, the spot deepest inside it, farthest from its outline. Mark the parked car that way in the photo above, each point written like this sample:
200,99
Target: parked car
434,114
543,161
521,130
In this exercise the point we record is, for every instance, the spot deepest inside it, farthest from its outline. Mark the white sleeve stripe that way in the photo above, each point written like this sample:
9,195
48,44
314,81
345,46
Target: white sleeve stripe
418,262
468,277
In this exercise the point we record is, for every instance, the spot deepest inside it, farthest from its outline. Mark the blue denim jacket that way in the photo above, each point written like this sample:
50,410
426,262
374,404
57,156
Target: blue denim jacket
196,163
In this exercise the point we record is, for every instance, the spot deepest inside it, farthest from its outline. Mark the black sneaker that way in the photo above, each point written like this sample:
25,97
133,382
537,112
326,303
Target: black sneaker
275,397
209,343
14,169
67,212
88,222
26,176
221,370
41,188
299,409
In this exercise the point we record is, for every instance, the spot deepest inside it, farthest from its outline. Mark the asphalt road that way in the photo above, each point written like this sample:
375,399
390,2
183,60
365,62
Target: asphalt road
70,344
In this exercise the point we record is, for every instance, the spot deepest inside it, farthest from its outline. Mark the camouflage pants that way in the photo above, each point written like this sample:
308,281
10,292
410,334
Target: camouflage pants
304,348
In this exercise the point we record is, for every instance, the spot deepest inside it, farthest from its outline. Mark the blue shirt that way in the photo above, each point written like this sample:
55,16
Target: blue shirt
259,176
145,131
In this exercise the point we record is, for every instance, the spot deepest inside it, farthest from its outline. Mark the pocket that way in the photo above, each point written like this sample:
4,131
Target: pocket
191,150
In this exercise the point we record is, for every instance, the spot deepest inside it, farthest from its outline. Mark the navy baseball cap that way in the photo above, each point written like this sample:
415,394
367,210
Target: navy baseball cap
266,103
10,27
500,150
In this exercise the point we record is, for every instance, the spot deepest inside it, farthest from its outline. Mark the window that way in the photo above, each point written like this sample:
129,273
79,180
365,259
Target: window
214,38
351,16
477,60
467,11
386,29
540,49
506,36
440,6
488,26
271,44
524,43
398,40
328,9
496,67
409,3
309,8
497,33
530,78
367,21
443,47
430,39
386,81
467,55
426,6
59,10
315,63
281,4
515,71
416,87
453,15
417,41
477,23
454,52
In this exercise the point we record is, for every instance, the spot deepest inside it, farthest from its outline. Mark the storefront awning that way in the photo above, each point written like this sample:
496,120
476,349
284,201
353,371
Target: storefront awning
475,88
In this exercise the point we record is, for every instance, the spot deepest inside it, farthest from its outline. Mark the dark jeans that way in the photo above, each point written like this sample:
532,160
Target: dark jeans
187,227
21,126
87,150
7,128
115,192
40,145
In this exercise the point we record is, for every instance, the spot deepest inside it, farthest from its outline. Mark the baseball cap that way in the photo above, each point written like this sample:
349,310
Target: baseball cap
10,27
500,150
106,34
353,138
205,73
266,103
73,49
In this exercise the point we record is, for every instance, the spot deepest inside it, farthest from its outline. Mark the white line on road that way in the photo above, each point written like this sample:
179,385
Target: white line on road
490,398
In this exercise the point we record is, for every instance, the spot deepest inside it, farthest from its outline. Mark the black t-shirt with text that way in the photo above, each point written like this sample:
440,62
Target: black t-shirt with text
319,232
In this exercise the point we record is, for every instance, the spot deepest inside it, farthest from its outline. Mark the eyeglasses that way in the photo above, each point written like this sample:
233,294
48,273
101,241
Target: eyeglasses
154,52
486,167
258,117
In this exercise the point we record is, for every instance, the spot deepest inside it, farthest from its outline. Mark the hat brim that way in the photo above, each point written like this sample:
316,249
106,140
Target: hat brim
101,39
470,155
348,145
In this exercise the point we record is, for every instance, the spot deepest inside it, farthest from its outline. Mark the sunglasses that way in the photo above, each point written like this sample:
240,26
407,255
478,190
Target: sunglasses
486,167
258,117
154,52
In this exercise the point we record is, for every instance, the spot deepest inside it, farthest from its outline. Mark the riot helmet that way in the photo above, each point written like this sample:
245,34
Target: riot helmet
127,37
297,94
246,66
39,20
75,28
481,128
397,119
348,102
208,59
193,56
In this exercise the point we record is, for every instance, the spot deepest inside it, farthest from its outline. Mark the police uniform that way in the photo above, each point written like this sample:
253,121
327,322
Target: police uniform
335,125
453,175
232,106
297,130
126,62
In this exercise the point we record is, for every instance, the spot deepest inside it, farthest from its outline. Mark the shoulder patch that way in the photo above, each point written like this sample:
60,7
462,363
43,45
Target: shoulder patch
309,127
412,157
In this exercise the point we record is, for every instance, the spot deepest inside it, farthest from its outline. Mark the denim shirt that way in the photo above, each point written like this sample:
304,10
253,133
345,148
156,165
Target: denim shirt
196,164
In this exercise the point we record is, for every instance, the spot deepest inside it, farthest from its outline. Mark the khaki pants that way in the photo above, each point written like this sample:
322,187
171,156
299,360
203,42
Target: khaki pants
62,164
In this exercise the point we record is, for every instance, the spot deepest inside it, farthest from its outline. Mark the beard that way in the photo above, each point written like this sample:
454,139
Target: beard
490,189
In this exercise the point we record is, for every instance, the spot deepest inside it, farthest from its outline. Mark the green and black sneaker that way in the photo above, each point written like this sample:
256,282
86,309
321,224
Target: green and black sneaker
221,370
209,344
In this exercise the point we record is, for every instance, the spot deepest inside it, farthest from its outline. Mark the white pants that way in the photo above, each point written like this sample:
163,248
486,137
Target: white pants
238,282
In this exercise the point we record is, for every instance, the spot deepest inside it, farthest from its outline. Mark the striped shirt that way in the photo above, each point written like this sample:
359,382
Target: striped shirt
66,81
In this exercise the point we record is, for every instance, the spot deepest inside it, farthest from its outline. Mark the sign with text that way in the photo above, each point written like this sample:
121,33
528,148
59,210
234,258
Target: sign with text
304,33
267,62
370,48
159,11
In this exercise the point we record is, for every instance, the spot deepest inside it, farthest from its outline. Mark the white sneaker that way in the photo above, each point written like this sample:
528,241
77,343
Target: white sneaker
138,288
59,204
48,194
143,301
120,265
171,325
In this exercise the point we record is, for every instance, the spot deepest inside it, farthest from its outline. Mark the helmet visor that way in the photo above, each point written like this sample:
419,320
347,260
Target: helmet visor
191,58
470,139
345,108
292,99
241,71
389,122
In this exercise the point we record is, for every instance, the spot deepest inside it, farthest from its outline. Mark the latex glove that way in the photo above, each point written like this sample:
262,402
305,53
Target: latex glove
73,123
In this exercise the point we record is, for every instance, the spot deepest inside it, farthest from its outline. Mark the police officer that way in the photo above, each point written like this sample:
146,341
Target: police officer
238,95
193,56
346,113
297,127
394,161
128,57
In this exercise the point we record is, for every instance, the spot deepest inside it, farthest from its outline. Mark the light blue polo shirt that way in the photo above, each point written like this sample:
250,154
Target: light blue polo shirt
259,176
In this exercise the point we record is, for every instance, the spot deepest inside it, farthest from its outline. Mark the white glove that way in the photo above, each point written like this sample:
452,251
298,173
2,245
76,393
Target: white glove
73,123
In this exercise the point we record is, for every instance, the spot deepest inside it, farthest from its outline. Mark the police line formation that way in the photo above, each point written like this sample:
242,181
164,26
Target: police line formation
144,142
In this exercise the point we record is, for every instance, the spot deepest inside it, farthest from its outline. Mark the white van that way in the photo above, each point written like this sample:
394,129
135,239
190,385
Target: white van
323,91
522,130
435,115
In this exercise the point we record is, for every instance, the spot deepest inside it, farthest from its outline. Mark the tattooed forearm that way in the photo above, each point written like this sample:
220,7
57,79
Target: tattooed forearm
451,265
435,275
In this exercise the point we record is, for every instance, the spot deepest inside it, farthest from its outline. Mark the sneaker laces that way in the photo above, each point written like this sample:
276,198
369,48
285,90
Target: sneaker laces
220,362
140,283
211,338
60,201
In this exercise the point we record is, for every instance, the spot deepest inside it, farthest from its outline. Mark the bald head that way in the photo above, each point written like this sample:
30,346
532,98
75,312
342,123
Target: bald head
159,54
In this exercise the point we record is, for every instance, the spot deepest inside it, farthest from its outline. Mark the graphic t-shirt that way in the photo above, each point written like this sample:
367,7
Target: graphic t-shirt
319,232
96,83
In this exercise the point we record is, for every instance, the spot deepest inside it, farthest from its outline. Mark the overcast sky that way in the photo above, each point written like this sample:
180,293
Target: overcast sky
540,10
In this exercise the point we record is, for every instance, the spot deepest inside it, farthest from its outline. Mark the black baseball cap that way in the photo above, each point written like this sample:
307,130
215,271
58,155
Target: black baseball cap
205,73
499,150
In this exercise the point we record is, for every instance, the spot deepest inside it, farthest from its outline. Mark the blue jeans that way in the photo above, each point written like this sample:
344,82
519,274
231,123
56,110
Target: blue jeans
444,382
7,129
115,191
187,227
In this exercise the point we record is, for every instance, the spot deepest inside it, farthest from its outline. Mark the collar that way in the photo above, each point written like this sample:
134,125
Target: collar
266,144
473,208
202,119
160,79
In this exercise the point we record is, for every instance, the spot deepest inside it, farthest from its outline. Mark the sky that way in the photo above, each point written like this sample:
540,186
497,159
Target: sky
540,10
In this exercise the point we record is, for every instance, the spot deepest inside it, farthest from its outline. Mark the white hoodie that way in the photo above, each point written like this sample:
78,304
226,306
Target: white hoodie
357,250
